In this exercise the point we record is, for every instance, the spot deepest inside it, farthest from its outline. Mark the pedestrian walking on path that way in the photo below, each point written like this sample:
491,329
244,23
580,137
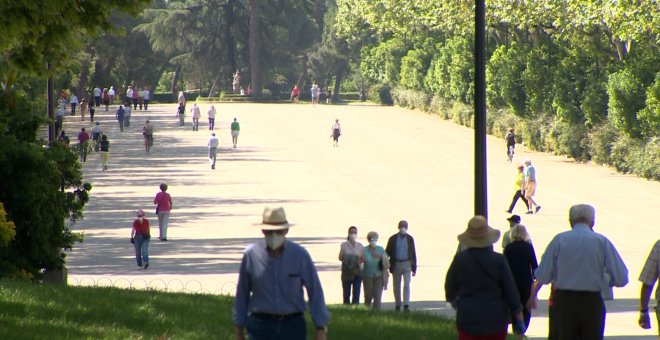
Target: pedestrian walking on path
269,296
403,262
211,114
336,132
376,272
104,147
510,139
575,262
73,101
479,285
181,113
83,109
163,202
120,117
519,187
213,149
521,257
235,131
148,135
196,115
530,187
648,277
140,236
351,255
83,144
514,220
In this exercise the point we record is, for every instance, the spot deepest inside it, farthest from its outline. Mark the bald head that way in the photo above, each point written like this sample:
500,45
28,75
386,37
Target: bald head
582,213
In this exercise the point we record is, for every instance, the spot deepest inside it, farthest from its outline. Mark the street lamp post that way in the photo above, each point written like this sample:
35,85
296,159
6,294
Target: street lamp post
480,179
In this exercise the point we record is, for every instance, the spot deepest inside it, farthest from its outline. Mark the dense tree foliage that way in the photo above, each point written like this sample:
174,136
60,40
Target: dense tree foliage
562,72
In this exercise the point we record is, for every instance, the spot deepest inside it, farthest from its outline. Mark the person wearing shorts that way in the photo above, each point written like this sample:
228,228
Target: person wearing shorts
235,131
530,187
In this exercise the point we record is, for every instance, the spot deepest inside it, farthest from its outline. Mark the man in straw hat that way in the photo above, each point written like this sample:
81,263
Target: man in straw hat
576,262
269,295
480,286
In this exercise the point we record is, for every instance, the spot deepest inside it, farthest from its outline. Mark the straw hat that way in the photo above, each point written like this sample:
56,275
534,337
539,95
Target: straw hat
478,233
274,219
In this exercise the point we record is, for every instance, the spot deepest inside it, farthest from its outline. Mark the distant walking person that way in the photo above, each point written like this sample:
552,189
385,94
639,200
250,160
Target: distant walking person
73,101
403,262
530,187
106,99
196,115
479,285
510,139
328,96
140,236
96,135
83,109
521,257
235,131
213,149
146,97
211,114
148,134
104,147
336,132
120,117
83,144
97,96
376,272
351,255
163,202
575,262
112,93
92,110
274,272
295,94
514,220
181,113
519,187
648,277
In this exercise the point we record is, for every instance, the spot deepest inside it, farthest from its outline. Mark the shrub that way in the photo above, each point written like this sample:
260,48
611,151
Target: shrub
499,121
411,99
461,114
414,66
439,107
380,94
626,97
601,140
568,139
649,117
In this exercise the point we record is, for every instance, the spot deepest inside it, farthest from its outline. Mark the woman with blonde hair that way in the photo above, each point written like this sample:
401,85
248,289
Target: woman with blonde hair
522,261
376,272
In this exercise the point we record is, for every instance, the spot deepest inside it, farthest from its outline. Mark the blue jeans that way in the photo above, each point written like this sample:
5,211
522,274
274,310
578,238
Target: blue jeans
141,249
259,328
355,284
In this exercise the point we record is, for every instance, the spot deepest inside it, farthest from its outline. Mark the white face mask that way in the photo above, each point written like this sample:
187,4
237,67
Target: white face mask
373,243
352,237
274,241
403,231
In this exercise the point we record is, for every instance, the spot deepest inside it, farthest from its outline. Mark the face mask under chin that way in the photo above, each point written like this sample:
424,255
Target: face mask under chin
274,241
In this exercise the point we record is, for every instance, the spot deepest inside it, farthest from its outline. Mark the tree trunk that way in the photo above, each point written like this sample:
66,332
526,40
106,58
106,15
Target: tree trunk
338,79
82,78
230,42
303,73
255,45
175,80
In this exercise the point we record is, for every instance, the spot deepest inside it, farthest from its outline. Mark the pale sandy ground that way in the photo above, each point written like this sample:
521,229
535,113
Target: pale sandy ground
392,164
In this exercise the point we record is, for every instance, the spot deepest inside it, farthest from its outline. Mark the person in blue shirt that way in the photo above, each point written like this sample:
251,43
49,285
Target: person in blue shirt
576,262
269,296
403,262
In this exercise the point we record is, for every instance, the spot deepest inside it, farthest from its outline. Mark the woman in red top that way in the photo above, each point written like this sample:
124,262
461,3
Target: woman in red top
140,236
295,93
163,203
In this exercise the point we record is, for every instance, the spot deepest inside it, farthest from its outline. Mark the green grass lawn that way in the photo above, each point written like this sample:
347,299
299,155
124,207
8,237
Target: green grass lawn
34,311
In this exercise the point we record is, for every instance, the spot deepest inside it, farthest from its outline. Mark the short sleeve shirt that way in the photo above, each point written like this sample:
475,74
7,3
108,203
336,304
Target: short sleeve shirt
651,268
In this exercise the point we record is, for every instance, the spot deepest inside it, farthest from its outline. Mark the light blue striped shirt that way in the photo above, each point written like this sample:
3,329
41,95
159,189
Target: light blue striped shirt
274,284
578,259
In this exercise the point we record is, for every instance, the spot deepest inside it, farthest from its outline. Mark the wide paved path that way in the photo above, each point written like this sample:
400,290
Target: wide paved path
392,164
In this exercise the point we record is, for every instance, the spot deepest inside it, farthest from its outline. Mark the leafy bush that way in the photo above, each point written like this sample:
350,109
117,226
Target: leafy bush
646,159
568,139
380,94
411,99
499,121
439,107
414,66
462,114
626,97
504,78
601,141
7,228
382,63
451,71
649,117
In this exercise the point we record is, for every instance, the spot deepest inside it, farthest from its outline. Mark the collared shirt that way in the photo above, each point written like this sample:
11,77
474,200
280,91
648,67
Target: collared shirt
401,248
274,284
530,174
651,269
578,259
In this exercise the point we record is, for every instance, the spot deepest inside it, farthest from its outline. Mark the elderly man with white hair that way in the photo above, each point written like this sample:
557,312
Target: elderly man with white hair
576,262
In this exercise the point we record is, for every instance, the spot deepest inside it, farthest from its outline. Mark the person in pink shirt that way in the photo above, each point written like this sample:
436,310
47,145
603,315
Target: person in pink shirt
163,202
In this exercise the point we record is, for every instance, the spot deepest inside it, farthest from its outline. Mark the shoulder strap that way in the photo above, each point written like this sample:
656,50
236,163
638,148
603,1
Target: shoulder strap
483,268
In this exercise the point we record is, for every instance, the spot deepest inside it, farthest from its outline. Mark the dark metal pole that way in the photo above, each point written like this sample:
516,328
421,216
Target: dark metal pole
480,180
52,134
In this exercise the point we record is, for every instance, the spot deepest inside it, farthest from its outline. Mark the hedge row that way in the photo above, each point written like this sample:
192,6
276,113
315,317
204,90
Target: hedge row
602,144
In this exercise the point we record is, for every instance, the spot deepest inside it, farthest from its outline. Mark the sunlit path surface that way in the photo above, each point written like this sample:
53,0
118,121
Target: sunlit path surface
391,164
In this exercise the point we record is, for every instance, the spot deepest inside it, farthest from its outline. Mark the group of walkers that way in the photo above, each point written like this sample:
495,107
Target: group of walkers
315,93
141,232
370,267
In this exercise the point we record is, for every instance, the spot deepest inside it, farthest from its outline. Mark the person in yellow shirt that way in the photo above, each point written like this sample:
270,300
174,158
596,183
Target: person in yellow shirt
520,189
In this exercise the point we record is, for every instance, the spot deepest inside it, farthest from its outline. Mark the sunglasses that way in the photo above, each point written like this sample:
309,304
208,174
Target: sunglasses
274,232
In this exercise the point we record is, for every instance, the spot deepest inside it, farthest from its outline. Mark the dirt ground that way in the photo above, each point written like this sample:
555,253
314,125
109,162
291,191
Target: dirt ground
391,164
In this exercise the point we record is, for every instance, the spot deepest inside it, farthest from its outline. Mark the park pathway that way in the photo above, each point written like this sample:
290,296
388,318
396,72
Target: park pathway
392,164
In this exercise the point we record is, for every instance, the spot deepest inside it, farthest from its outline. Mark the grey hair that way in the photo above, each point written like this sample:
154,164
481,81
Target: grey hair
519,232
584,213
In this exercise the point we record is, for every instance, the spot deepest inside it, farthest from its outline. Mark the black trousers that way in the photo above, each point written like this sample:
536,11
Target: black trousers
577,315
516,196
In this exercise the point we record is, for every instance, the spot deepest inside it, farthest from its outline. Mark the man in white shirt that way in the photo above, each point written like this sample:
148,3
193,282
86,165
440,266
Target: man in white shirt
73,101
97,96
213,148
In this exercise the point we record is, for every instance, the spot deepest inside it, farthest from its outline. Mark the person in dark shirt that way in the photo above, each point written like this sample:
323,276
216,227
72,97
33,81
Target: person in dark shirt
479,285
522,260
